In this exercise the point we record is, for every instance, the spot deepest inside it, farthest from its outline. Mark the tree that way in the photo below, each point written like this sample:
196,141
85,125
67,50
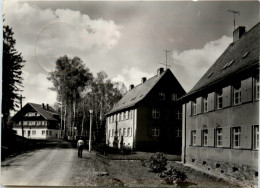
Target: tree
103,96
69,79
12,71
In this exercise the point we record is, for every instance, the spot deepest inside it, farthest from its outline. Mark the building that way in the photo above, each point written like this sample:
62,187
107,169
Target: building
148,116
39,121
221,112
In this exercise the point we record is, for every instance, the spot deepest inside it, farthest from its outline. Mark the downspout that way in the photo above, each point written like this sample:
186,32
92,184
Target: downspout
183,133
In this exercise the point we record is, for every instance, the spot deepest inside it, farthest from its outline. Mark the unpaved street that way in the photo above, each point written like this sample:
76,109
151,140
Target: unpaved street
51,167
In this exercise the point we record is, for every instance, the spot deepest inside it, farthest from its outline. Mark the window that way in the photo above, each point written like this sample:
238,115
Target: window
43,123
219,99
126,115
219,137
178,132
174,97
205,137
43,132
24,133
130,114
155,131
256,137
124,132
128,131
115,118
205,103
193,107
237,93
118,117
47,132
193,138
178,114
156,113
256,88
119,132
20,123
33,122
161,95
33,132
122,116
236,131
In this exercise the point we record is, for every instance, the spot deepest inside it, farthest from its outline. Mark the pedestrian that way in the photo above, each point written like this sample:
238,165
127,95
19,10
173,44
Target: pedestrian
80,146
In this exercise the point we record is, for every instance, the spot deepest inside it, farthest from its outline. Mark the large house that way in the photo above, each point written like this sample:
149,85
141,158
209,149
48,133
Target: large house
39,121
148,116
221,112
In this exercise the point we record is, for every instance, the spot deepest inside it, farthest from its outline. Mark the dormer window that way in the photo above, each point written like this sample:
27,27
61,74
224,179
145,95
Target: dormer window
210,74
162,96
246,54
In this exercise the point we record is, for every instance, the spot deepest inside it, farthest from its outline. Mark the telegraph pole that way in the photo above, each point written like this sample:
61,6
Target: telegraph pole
234,16
21,105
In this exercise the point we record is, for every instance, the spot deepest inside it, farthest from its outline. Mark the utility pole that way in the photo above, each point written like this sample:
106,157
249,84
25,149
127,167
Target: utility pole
21,105
234,16
166,65
90,127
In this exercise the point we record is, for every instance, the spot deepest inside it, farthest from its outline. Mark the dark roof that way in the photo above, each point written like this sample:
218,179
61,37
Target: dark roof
48,114
137,93
239,55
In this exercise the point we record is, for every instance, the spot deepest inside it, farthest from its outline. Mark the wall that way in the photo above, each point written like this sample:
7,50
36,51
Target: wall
38,134
237,163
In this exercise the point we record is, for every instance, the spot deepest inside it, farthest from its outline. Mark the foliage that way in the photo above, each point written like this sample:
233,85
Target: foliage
173,176
157,162
12,79
126,150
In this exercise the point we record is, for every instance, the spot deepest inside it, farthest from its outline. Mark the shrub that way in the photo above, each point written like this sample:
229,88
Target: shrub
126,150
158,162
173,176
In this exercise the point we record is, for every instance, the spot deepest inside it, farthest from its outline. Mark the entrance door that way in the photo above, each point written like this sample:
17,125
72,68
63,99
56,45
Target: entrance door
29,133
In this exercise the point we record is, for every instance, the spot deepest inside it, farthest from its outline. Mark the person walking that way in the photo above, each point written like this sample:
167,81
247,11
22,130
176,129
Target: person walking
80,146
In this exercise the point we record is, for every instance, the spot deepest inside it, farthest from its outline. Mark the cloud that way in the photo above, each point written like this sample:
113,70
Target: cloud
190,65
36,89
131,76
53,33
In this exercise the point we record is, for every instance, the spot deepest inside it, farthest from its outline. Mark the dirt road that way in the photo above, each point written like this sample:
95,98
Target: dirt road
49,167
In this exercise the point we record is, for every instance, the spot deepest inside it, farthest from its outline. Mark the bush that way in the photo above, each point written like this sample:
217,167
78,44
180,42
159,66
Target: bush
157,163
173,176
126,150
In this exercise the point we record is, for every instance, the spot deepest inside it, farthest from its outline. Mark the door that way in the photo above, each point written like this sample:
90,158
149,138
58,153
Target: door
29,133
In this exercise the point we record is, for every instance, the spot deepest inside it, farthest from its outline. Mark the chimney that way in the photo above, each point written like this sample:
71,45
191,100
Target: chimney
47,106
159,71
43,105
143,80
131,87
237,34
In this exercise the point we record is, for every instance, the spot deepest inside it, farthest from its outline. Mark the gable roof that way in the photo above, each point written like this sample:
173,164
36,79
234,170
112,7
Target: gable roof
239,55
138,93
46,113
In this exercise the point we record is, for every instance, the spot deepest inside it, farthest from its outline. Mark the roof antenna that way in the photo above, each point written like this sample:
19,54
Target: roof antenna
234,16
166,65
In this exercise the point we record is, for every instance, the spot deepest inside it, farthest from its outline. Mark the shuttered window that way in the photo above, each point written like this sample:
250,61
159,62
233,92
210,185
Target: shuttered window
219,135
193,138
236,134
237,93
246,90
227,96
205,137
205,103
220,99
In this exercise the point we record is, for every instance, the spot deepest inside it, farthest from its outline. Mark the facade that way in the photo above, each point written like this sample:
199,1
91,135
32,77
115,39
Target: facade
221,112
148,116
39,121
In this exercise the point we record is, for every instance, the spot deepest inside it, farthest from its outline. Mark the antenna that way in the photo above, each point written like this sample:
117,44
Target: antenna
234,16
166,65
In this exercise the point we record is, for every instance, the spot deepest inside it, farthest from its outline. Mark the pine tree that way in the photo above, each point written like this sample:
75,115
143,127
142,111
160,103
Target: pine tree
12,71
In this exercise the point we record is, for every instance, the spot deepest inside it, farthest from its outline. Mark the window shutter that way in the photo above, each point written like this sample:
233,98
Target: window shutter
246,137
211,101
226,137
189,108
226,96
198,137
198,107
211,137
246,90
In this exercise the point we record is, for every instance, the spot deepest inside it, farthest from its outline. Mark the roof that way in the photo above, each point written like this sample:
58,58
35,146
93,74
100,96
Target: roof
138,93
46,113
239,55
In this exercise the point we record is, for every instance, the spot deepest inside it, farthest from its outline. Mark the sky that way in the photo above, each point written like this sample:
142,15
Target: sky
125,39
